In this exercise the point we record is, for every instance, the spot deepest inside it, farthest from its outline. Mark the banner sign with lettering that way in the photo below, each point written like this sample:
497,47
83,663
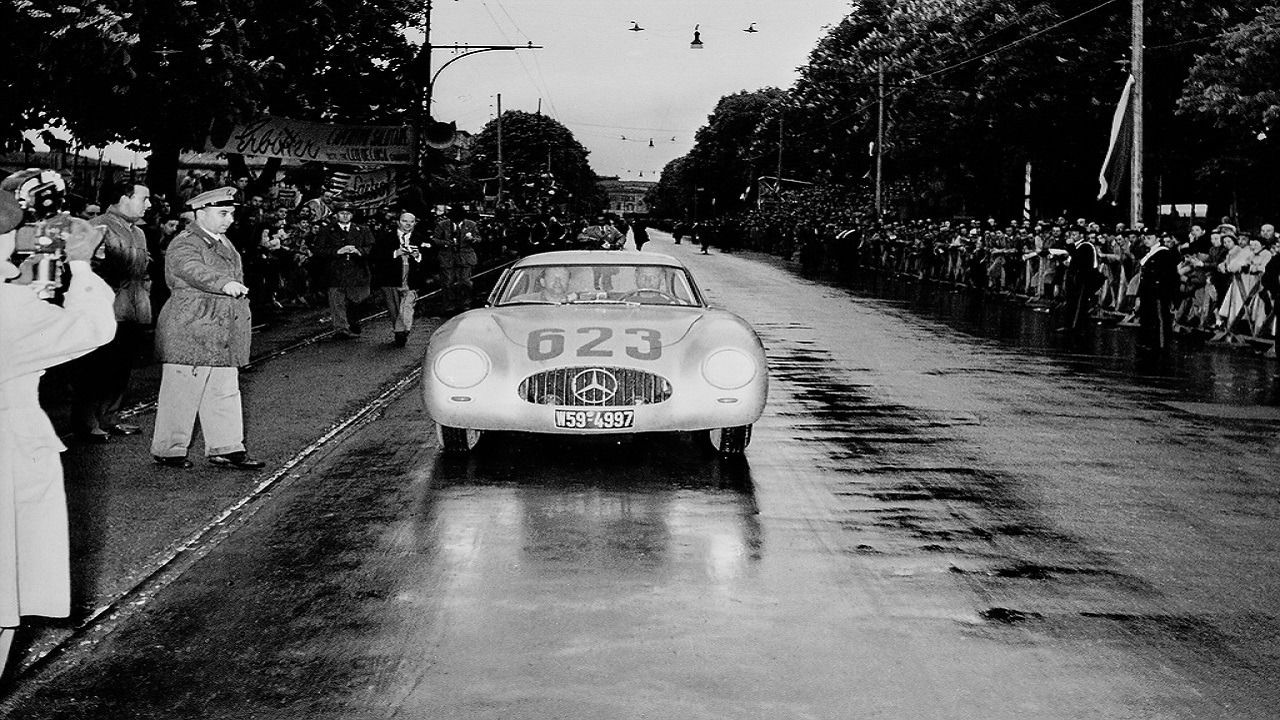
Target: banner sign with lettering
318,142
366,188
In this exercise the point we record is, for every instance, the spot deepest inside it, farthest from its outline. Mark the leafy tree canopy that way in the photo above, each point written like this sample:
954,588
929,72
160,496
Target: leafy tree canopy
543,164
159,73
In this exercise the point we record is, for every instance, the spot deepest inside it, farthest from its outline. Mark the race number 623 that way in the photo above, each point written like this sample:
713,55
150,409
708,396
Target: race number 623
548,343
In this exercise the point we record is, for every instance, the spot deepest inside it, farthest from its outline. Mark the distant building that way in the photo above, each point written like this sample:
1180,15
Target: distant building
626,197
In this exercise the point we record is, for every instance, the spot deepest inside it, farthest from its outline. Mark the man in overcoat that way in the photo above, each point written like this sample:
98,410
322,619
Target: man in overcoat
1158,288
202,339
344,246
400,261
455,238
35,558
100,379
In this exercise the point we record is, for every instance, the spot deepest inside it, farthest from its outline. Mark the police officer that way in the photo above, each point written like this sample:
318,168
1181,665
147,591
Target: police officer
1158,287
202,338
1082,280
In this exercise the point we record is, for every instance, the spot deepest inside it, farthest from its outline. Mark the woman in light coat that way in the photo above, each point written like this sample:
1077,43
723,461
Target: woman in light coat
1236,266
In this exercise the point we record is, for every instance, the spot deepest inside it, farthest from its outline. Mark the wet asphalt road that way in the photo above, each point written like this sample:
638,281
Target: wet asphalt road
929,524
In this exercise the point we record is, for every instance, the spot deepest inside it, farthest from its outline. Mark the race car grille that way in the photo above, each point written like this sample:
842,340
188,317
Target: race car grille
593,386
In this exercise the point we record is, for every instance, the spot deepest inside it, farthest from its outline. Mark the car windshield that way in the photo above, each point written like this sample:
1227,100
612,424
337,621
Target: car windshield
598,284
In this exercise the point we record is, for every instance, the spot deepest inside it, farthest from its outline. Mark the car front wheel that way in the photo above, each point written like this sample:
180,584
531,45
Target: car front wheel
730,440
457,440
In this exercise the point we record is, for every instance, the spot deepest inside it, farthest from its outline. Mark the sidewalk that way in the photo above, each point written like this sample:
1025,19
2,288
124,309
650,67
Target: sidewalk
128,516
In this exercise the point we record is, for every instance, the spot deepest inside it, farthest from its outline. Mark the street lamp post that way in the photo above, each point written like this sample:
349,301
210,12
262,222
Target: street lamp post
424,118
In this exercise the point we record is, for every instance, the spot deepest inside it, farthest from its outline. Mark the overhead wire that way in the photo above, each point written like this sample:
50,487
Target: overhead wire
541,87
1215,36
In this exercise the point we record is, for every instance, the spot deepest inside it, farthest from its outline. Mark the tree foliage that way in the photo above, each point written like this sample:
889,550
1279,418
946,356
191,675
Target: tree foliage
1234,91
976,89
160,73
543,164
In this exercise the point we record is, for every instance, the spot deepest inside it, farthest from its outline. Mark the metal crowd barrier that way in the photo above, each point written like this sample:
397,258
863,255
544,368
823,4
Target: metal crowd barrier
1038,280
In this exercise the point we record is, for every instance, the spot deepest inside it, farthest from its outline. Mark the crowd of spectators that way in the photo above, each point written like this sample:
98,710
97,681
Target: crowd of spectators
275,231
1228,273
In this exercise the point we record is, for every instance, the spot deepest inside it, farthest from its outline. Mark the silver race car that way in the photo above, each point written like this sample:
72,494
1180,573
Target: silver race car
588,342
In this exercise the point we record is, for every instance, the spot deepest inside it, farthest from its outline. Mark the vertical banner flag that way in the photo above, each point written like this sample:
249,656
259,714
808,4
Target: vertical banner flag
1119,148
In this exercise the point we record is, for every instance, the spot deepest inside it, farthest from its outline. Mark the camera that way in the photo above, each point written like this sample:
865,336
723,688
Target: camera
41,194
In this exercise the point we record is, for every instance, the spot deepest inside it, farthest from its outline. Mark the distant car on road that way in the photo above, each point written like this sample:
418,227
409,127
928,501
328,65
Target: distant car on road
588,343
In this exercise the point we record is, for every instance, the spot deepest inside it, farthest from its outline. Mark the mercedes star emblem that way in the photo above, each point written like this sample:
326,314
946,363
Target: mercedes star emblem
595,386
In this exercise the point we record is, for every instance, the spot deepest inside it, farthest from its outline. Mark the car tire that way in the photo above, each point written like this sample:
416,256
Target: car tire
730,441
457,440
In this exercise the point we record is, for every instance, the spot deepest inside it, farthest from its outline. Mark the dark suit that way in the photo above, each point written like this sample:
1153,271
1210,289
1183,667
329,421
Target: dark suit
1271,283
346,274
1158,288
399,268
1081,285
456,241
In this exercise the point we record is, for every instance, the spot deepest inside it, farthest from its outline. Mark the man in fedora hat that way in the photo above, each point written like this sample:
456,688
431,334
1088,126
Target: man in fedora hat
344,247
202,339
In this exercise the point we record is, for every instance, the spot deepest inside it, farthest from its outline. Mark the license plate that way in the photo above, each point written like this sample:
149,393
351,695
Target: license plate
595,419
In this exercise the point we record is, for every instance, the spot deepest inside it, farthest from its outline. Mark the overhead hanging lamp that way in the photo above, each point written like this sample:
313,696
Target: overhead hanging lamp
697,39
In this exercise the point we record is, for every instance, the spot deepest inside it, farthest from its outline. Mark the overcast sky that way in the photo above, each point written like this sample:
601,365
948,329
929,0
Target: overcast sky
604,82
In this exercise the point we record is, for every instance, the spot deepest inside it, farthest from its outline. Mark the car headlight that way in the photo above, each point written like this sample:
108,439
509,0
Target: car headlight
729,369
461,367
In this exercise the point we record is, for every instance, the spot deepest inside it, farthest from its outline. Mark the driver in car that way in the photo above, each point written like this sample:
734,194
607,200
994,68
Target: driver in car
554,287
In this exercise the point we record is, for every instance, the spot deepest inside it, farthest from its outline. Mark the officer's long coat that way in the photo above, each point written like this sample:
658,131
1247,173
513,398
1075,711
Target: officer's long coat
199,324
35,567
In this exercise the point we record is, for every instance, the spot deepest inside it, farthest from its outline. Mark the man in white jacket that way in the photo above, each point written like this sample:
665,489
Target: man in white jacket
35,574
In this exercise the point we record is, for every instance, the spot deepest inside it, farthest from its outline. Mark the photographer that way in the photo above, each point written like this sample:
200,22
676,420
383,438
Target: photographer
35,574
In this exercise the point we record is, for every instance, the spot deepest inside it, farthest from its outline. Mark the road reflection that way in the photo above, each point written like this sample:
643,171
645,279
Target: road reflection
652,509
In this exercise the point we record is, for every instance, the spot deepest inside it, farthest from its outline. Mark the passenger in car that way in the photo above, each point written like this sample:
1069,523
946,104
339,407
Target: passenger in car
651,287
649,277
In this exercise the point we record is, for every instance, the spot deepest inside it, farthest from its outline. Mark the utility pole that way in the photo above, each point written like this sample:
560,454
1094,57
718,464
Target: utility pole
782,114
1135,168
879,138
424,110
499,151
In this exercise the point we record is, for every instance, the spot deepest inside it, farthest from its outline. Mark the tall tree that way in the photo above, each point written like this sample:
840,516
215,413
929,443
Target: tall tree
160,73
543,164
1234,88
